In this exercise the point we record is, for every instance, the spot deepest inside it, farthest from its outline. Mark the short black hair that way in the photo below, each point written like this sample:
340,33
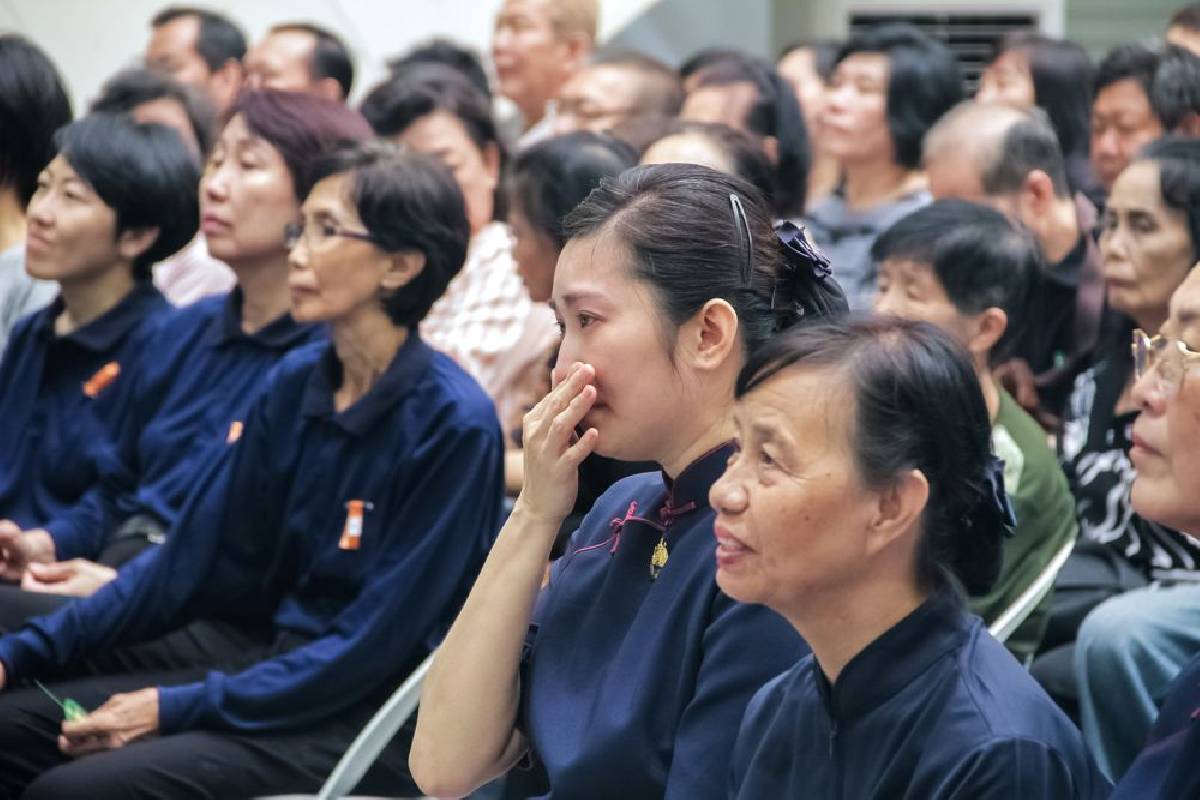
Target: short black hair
1062,75
776,113
659,91
33,105
407,201
746,159
924,82
449,54
705,58
549,178
219,40
1178,160
689,243
130,88
331,57
1176,90
144,173
1027,144
1186,17
917,405
825,54
1134,62
979,257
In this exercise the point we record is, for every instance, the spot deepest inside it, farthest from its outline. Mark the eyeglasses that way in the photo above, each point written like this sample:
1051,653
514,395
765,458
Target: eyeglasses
1168,358
293,232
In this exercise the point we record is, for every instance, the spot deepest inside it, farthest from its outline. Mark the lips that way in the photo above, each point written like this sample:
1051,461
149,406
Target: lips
37,244
212,224
1140,448
730,549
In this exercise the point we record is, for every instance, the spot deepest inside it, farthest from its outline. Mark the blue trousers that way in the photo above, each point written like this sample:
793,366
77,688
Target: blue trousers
1128,651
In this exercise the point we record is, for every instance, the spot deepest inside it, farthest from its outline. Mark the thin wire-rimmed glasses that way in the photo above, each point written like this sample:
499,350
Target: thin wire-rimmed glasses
1168,358
293,232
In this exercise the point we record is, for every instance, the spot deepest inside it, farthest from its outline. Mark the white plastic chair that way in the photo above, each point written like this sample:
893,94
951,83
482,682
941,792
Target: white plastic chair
1024,605
370,742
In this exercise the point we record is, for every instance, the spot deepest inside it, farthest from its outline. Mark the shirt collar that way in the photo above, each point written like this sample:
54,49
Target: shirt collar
690,490
409,364
895,659
281,333
106,331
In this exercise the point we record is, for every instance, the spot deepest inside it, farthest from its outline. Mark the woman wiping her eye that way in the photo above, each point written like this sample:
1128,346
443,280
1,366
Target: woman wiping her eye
864,498
627,674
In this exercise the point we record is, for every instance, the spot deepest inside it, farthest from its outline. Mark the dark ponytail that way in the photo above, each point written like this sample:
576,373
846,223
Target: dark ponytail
696,234
918,405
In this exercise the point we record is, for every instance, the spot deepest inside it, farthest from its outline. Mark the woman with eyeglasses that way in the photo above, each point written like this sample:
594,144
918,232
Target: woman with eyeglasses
1166,452
1129,648
338,533
626,674
210,358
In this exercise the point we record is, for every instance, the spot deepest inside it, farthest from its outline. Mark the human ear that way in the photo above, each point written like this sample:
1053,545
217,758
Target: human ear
1039,189
986,330
135,241
491,163
710,335
898,509
770,146
578,47
402,269
328,88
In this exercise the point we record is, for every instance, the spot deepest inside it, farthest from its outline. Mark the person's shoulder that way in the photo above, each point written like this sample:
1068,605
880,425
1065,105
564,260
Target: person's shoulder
779,696
299,362
1016,766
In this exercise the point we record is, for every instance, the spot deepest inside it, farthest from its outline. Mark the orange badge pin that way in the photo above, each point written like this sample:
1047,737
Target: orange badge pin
352,532
104,376
235,431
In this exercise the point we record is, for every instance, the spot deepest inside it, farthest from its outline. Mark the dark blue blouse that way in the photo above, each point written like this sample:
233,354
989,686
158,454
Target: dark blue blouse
188,399
633,686
61,397
1169,766
935,708
271,537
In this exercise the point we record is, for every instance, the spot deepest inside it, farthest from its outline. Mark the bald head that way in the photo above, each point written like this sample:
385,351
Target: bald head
980,152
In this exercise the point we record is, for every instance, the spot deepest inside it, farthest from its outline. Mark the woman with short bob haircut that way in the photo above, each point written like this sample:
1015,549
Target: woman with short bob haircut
340,531
863,498
118,197
890,84
670,275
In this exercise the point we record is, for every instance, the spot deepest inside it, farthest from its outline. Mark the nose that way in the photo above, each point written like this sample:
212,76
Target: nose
39,213
1148,394
726,495
1105,144
298,255
214,187
884,302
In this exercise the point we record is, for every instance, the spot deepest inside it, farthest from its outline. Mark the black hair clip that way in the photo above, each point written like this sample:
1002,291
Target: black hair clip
998,501
796,246
743,225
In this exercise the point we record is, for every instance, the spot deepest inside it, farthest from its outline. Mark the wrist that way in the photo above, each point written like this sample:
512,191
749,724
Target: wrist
535,519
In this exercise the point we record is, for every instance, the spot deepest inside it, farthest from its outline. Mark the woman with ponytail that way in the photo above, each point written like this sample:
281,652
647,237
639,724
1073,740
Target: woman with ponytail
863,501
625,675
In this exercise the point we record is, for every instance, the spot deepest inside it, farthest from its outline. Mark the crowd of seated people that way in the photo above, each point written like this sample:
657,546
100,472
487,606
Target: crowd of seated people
735,429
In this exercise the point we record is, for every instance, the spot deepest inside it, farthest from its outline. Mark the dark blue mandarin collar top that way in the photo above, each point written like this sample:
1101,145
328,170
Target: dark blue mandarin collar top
632,684
62,396
225,327
933,709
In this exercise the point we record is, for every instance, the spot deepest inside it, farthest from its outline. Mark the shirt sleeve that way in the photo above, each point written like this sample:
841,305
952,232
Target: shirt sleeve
744,647
1011,768
436,545
211,562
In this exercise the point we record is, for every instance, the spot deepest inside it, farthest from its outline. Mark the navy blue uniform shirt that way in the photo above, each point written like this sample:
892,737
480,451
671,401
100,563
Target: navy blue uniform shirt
633,687
270,535
188,400
61,398
1169,766
935,708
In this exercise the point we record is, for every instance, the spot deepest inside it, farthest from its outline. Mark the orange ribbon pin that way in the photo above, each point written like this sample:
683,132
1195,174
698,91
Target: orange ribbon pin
235,431
104,376
352,532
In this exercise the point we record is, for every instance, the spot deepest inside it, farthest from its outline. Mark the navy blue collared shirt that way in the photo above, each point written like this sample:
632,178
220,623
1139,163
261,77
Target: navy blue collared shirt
1169,766
61,398
633,686
189,400
356,533
935,708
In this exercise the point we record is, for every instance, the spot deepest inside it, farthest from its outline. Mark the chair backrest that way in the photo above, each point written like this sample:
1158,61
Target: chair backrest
1023,606
370,742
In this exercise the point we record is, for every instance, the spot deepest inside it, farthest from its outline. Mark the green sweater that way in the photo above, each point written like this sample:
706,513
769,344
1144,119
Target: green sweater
1045,520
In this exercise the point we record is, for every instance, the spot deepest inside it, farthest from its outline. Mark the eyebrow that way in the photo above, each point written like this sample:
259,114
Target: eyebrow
575,298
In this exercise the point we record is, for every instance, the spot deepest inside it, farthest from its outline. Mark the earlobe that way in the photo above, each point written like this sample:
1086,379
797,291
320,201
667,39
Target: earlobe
135,241
403,268
717,332
989,329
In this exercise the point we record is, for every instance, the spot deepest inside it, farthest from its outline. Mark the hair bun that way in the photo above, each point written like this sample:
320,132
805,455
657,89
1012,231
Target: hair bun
987,524
804,286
